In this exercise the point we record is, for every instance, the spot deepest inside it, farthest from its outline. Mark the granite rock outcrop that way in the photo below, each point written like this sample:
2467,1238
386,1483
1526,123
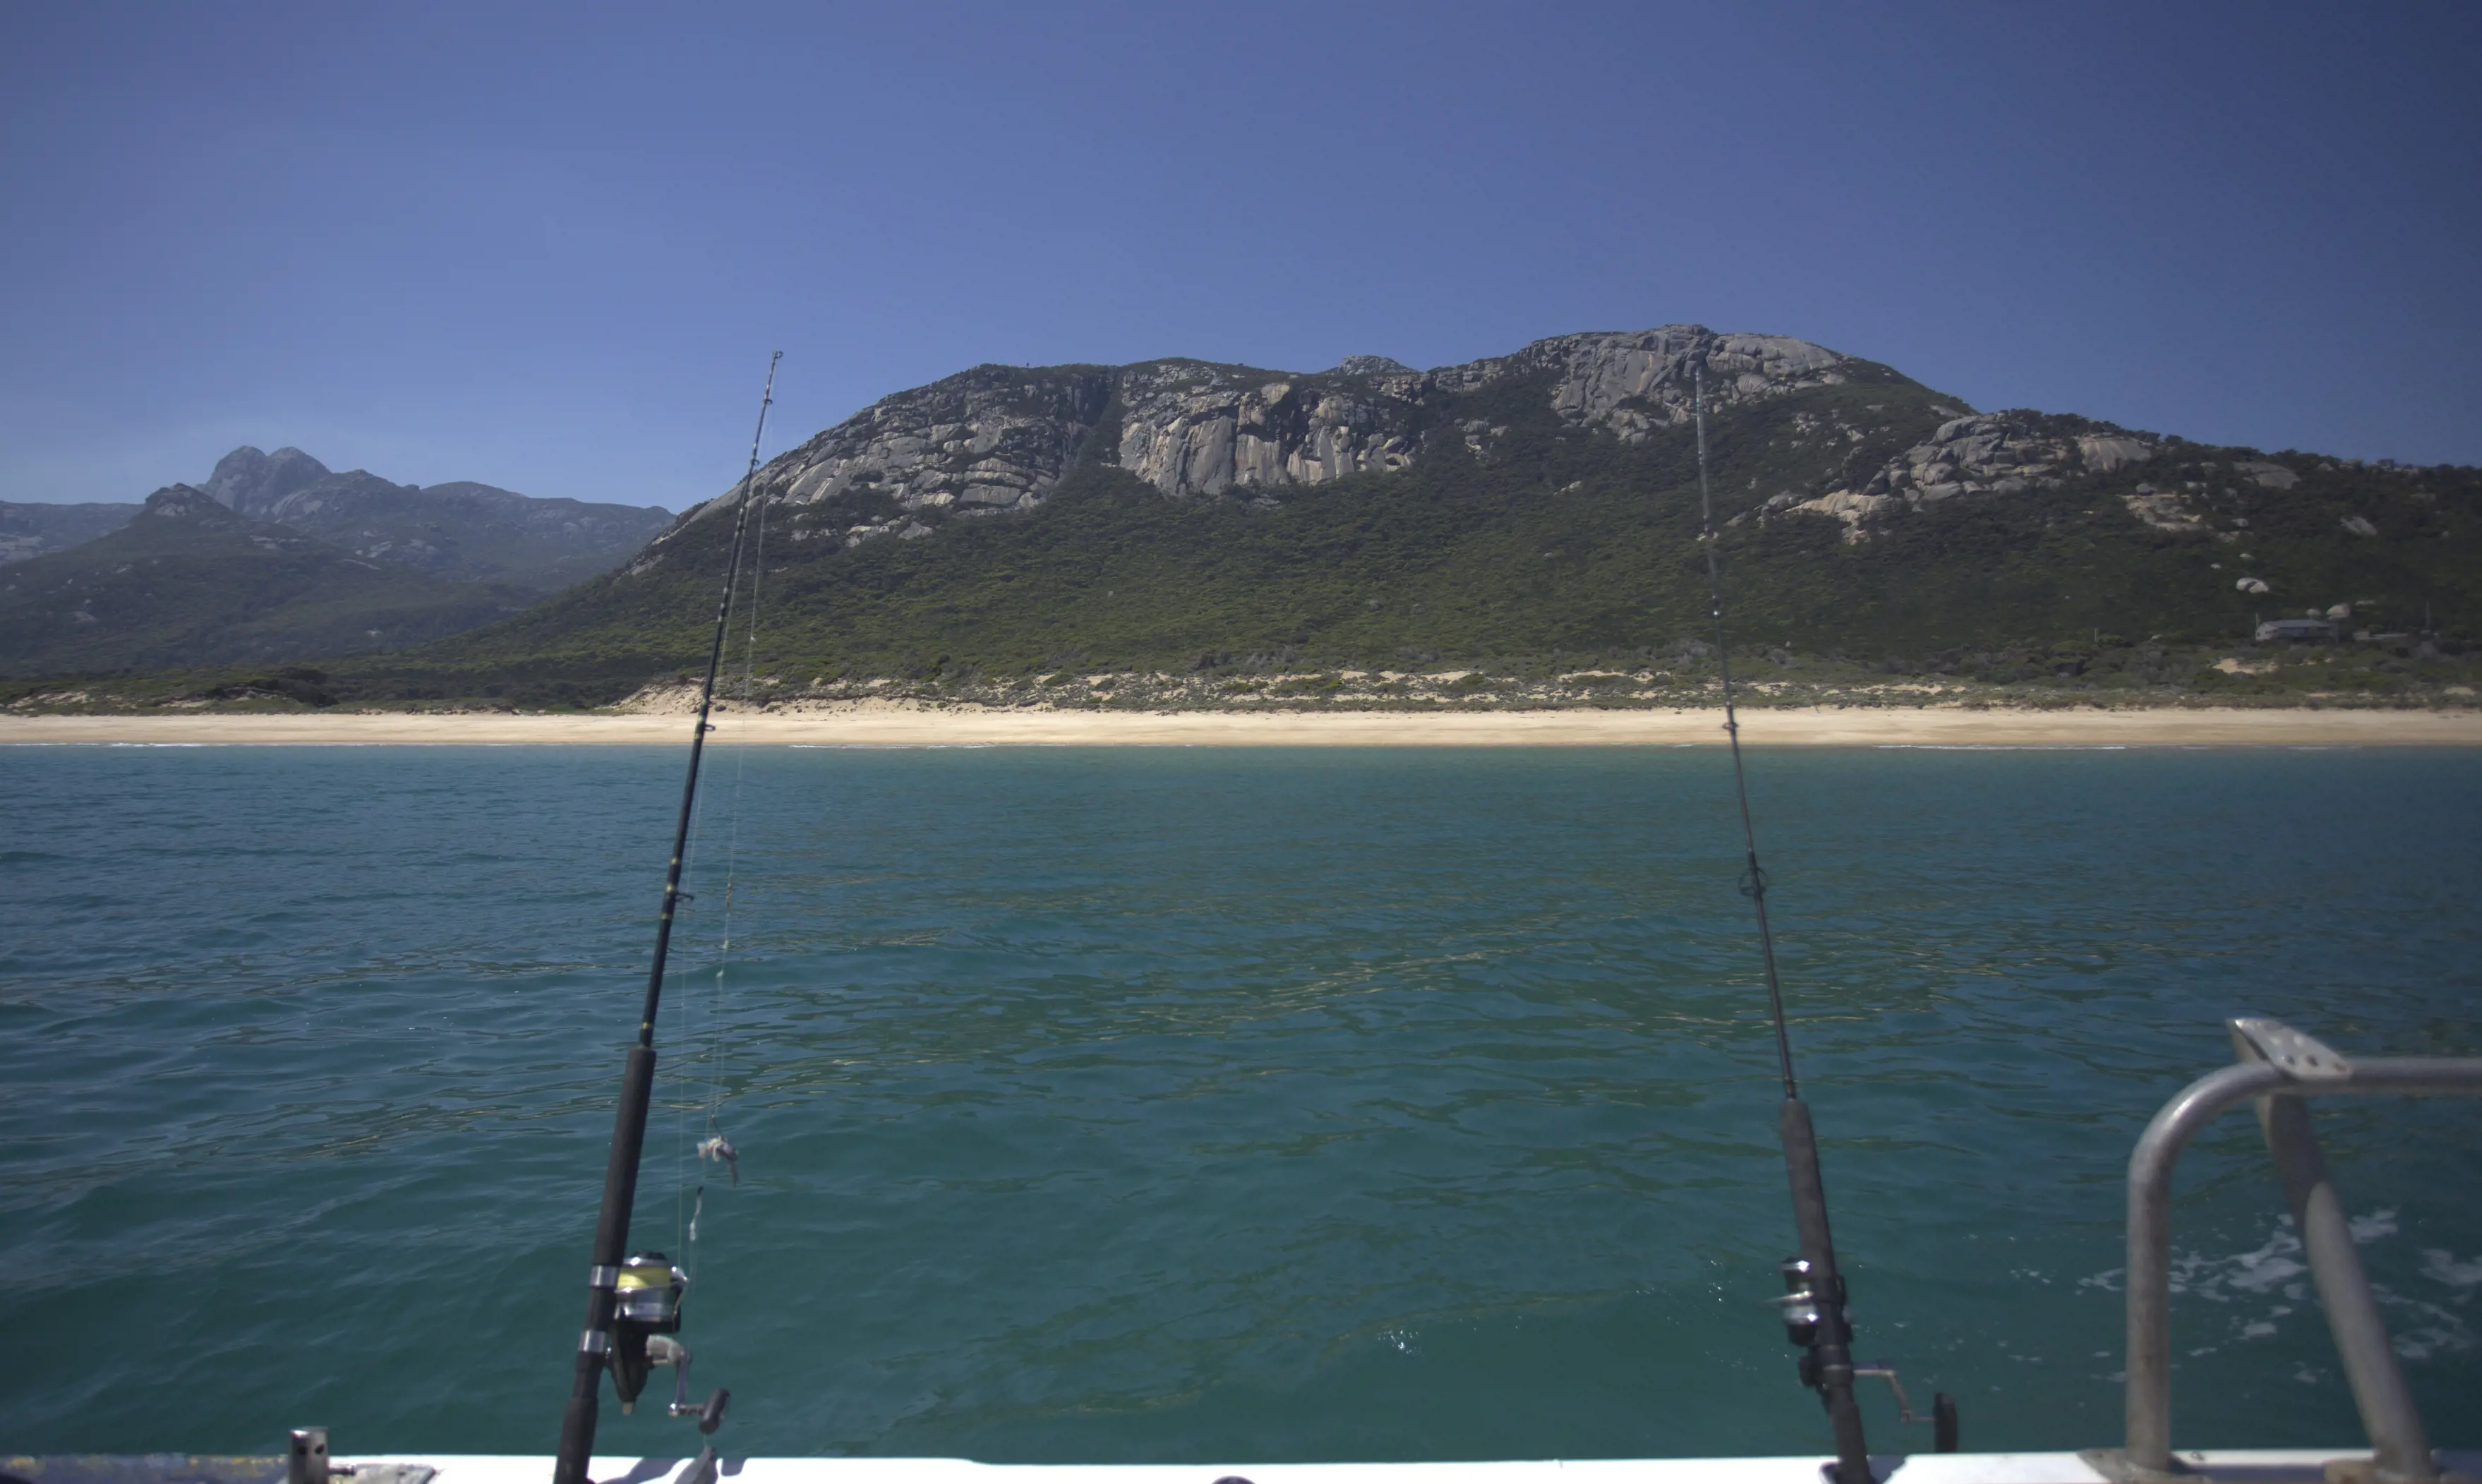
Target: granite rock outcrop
1190,429
1630,384
257,484
989,441
996,440
1983,453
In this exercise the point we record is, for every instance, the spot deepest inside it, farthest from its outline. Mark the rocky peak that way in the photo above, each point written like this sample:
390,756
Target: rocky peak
997,439
186,519
1188,427
253,482
1630,382
191,504
462,530
987,440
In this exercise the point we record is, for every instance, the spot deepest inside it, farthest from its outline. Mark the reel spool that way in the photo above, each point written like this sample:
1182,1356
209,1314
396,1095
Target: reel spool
650,1294
645,1301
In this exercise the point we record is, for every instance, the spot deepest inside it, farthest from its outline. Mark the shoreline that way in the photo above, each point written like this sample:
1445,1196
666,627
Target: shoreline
889,723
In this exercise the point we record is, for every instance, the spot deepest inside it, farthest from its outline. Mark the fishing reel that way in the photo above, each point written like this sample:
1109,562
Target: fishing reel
646,1316
1804,1313
1801,1309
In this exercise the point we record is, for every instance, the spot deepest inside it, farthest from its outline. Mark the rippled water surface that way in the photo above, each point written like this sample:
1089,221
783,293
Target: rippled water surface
1203,1104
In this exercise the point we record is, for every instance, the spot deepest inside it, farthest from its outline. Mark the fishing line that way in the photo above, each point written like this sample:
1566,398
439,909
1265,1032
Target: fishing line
689,1202
713,1145
683,1223
692,1094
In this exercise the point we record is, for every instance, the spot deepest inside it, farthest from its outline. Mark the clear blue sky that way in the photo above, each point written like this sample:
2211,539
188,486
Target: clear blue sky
550,248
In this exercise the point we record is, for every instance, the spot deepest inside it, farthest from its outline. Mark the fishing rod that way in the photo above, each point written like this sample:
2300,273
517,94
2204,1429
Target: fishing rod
619,1323
1813,1302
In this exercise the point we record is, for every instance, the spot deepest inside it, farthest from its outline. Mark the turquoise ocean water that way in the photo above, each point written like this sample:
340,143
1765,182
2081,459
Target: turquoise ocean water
1202,1104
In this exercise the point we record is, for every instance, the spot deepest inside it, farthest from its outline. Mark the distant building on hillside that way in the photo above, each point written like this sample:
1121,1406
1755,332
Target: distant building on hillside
2296,631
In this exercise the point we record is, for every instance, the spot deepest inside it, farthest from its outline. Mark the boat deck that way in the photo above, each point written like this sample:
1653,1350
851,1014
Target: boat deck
2258,1464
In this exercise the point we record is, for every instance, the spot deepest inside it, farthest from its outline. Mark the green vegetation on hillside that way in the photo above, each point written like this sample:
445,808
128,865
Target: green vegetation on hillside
36,530
1558,552
187,582
1564,548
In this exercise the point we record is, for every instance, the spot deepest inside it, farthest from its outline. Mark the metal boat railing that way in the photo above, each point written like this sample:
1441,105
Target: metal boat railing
2280,1068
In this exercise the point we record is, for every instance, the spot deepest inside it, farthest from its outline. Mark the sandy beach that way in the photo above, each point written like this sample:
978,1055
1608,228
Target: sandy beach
868,724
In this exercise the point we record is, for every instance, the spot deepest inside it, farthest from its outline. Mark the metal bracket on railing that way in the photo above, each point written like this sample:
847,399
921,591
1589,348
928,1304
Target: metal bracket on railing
2279,1068
2300,1056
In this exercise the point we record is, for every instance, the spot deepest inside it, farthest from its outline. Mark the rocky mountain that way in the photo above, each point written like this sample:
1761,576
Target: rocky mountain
256,483
30,530
461,530
1537,511
1011,530
188,581
997,439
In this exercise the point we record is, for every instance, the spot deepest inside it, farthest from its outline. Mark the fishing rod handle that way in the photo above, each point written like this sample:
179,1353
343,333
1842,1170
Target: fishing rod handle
1832,1349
